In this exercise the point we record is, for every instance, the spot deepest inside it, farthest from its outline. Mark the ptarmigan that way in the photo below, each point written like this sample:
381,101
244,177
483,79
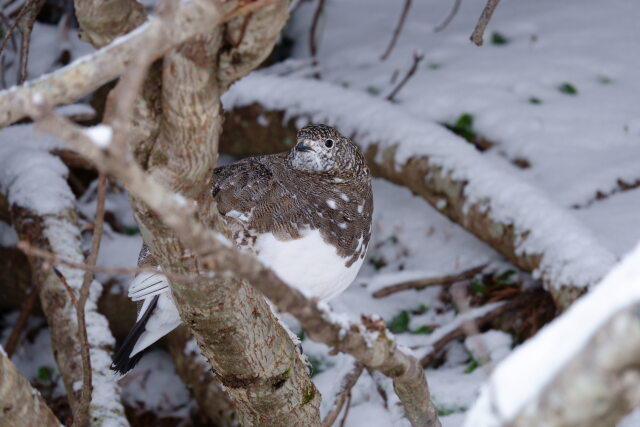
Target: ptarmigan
305,214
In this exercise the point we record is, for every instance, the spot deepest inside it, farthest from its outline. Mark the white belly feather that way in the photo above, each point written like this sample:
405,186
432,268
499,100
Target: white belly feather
308,263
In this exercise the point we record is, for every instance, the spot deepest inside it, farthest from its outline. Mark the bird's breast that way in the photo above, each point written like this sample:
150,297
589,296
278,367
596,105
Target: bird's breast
308,263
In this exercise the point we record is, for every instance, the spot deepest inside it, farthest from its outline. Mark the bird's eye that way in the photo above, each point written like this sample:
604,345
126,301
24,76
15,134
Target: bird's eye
328,143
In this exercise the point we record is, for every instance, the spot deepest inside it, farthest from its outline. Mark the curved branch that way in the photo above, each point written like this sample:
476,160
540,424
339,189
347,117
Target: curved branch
443,169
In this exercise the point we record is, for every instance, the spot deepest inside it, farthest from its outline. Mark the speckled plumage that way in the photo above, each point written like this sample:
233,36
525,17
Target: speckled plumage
267,194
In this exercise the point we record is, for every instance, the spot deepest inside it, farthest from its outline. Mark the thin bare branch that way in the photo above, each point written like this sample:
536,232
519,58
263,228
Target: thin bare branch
52,258
450,16
429,281
479,316
70,291
397,30
348,382
313,35
26,27
485,17
81,417
21,321
417,58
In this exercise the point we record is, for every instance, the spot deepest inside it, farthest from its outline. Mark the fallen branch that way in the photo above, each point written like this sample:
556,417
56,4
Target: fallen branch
348,382
485,17
313,36
429,281
447,172
32,8
591,376
397,30
21,404
21,321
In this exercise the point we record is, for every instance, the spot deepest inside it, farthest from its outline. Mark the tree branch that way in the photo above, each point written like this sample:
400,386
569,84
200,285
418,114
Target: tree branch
348,382
21,404
81,417
430,281
444,170
86,74
397,30
485,17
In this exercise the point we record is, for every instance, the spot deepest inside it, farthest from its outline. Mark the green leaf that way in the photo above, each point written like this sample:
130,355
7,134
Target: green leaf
472,367
498,39
131,231
478,287
45,373
464,127
605,80
434,66
506,278
568,89
393,239
400,323
301,335
378,263
534,100
372,90
424,329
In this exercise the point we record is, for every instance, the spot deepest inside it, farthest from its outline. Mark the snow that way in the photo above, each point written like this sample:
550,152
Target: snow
25,165
100,135
522,376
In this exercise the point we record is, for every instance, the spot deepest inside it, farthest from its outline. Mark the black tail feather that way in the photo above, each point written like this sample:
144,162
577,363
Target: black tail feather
122,362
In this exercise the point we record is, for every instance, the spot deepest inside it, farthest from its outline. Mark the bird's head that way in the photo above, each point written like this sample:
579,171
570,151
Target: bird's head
321,148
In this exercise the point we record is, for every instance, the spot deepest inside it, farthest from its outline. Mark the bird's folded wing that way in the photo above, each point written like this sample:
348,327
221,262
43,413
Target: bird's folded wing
146,285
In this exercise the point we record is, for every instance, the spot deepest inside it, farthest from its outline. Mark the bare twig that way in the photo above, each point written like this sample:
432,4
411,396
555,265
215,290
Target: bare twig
485,16
70,291
81,417
479,317
243,30
348,382
449,18
14,24
429,281
346,409
313,36
26,27
417,58
30,250
21,321
398,29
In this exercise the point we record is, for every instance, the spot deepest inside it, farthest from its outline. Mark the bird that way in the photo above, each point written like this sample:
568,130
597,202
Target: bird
312,205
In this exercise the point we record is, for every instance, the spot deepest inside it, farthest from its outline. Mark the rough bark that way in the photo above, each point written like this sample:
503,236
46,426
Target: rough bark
101,21
421,175
20,404
196,373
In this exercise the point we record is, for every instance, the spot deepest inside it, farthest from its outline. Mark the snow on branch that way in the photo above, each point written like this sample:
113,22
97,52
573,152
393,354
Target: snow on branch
21,404
580,370
42,211
514,217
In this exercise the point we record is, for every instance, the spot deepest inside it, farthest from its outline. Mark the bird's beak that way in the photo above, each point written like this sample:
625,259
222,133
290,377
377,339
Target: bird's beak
300,146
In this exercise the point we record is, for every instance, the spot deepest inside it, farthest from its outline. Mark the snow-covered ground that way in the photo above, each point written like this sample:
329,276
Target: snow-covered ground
554,87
